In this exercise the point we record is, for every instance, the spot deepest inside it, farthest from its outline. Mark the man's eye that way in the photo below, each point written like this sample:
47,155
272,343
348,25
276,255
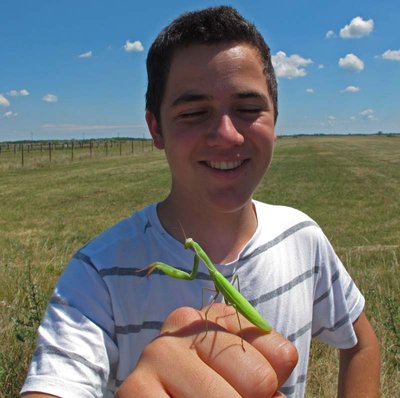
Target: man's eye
188,115
250,110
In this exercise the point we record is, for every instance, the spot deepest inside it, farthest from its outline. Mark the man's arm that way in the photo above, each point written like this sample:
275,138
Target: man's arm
359,372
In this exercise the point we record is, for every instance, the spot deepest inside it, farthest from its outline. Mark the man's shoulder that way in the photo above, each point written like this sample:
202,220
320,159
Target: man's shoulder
278,222
122,234
281,213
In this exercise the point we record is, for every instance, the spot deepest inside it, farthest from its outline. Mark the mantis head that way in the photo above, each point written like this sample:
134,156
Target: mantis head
188,243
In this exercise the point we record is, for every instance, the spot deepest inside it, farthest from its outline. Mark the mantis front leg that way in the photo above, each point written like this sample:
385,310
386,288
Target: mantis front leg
175,272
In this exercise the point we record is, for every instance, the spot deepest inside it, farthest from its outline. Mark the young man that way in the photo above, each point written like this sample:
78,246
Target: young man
212,106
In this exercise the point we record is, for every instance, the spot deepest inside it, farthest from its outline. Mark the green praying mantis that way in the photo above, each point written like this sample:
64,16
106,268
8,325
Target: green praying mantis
222,285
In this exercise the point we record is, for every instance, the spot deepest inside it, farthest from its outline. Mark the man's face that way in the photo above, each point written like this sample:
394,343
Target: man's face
216,125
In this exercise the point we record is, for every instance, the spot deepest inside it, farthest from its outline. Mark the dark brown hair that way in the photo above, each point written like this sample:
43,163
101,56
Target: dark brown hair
209,26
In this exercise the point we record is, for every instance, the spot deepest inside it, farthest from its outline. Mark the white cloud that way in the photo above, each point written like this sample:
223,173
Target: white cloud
87,54
368,114
50,98
9,115
13,93
330,34
4,101
321,66
351,89
133,46
310,90
352,63
357,28
289,67
16,93
393,55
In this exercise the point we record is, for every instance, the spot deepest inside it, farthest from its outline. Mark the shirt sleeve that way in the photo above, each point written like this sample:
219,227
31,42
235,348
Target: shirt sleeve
337,300
76,349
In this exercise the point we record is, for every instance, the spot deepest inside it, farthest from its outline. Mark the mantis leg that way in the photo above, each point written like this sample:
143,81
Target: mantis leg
175,272
236,279
240,327
212,302
208,309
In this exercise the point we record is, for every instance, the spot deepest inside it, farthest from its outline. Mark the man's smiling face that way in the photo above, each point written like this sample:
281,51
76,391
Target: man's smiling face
216,124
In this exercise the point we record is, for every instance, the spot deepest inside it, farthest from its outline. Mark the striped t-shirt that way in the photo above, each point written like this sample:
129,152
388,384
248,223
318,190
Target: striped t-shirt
104,311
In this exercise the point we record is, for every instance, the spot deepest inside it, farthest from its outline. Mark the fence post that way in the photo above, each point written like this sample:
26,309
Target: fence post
72,151
120,148
22,155
49,152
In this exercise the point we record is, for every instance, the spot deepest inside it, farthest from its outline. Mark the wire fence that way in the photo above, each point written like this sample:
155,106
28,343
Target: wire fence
34,154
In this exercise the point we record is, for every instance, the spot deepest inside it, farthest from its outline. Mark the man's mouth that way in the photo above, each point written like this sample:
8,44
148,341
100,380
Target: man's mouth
225,165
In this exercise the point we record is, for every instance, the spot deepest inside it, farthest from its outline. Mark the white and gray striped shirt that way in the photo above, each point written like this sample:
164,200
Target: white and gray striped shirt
103,311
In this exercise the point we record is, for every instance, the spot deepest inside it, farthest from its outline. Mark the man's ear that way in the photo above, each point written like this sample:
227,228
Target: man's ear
155,130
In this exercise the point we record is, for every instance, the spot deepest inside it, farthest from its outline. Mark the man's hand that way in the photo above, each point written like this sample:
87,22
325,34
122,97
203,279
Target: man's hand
187,360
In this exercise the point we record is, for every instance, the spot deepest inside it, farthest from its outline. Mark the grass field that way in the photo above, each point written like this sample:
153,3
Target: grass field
349,185
42,154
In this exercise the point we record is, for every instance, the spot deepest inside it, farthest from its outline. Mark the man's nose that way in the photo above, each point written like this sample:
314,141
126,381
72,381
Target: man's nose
225,133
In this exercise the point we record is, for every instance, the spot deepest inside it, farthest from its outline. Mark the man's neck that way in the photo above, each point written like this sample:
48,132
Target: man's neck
221,234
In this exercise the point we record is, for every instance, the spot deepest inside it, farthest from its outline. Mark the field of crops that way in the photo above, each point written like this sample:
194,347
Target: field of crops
349,185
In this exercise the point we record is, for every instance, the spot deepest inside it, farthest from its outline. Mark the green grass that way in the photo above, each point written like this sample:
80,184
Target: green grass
349,185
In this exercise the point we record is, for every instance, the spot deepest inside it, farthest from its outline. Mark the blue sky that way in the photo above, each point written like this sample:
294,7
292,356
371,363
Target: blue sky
76,68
